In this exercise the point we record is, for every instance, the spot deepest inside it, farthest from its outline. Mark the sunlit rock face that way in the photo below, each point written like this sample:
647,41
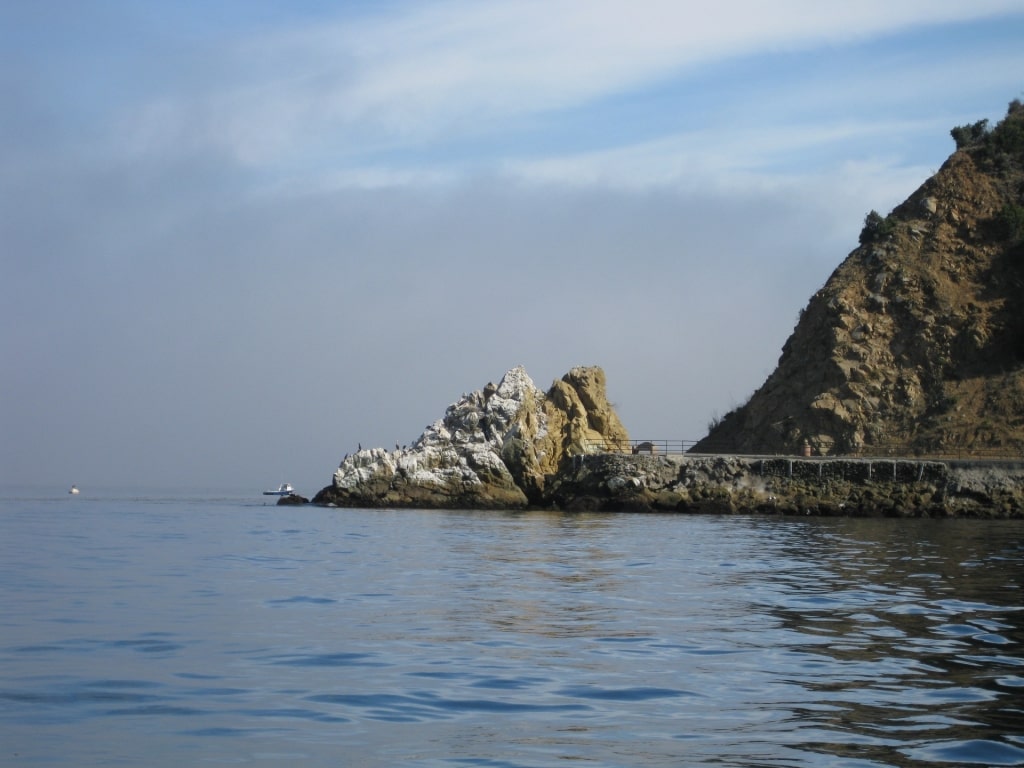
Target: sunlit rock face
496,447
915,345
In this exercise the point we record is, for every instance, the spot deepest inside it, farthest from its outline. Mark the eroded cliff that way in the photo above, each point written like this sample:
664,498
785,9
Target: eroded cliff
916,342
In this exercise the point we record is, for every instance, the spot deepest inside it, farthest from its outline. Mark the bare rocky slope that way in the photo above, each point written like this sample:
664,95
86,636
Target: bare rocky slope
915,345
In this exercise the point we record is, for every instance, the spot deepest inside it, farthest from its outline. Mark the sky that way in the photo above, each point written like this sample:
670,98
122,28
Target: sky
240,238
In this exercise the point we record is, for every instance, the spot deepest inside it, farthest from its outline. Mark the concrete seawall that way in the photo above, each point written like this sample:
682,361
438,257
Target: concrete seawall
792,485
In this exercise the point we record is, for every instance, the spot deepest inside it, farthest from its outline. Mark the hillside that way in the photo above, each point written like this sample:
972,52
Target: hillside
915,344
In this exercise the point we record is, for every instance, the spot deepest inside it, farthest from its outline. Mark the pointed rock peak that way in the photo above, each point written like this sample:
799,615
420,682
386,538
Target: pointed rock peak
516,380
495,447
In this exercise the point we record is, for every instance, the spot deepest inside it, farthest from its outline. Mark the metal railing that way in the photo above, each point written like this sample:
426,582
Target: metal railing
653,447
882,450
958,452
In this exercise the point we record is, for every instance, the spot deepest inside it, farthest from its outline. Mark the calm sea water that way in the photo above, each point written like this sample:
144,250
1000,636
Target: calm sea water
156,631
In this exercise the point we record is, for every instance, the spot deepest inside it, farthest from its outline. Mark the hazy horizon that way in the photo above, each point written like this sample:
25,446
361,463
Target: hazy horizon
241,239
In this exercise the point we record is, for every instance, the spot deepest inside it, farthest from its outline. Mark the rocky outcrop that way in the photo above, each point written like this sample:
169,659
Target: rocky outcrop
915,345
497,447
511,446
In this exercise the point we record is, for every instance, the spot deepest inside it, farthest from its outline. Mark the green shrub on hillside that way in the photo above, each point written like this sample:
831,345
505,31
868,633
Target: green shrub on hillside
968,135
1008,136
876,228
1002,145
1010,221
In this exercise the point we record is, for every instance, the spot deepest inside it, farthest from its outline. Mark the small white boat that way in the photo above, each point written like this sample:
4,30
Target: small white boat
284,490
74,490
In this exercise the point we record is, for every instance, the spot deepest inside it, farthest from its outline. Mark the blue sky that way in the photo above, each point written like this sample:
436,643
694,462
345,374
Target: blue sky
240,238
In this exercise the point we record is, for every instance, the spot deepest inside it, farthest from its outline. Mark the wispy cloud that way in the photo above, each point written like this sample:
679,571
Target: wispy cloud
351,88
715,160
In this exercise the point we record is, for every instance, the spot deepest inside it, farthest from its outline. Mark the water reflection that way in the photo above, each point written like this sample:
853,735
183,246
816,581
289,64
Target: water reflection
544,574
891,642
423,638
917,631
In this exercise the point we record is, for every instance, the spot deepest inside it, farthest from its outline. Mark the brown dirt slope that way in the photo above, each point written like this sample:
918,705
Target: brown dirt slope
916,342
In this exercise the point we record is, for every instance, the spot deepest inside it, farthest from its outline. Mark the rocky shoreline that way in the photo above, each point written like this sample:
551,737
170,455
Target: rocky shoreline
794,486
613,482
512,447
915,340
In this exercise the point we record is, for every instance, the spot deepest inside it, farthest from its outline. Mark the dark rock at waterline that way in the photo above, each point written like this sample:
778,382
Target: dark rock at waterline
513,447
292,500
791,486
779,485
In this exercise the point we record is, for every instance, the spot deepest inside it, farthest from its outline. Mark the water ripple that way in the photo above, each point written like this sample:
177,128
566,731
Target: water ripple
427,706
303,599
623,694
324,660
255,634
970,752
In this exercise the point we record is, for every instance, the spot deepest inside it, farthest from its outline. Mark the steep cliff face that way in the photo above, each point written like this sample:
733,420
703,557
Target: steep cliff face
495,447
916,342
